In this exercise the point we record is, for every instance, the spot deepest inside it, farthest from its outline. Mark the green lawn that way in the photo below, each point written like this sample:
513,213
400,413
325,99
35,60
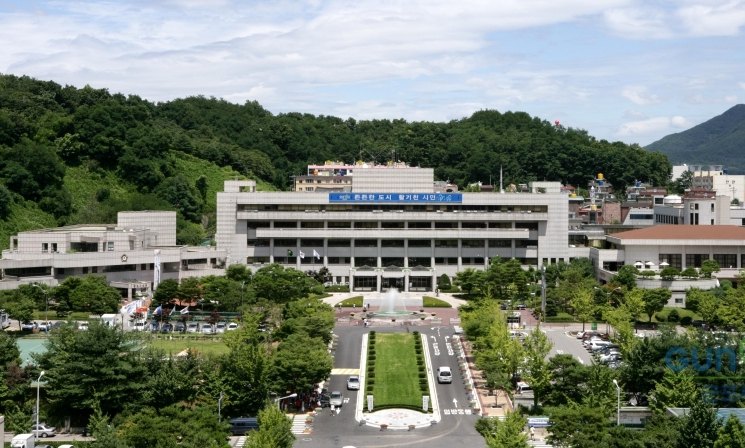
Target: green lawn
352,301
213,346
396,372
433,302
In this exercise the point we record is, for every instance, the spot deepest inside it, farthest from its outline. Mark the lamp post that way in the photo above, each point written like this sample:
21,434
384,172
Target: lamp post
38,382
618,403
543,294
219,408
278,400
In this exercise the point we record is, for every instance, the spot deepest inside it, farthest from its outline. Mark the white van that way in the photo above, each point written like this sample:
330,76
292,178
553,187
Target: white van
444,375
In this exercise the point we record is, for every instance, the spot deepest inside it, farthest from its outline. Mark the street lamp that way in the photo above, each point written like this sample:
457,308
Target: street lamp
278,400
618,403
38,382
219,408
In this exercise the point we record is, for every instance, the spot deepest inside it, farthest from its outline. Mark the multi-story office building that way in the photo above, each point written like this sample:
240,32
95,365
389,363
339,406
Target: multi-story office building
391,229
134,254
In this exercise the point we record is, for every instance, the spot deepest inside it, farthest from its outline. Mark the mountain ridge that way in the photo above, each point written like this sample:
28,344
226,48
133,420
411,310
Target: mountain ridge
718,141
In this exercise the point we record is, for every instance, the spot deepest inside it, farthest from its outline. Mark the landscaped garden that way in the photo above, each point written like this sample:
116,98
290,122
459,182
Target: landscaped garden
396,375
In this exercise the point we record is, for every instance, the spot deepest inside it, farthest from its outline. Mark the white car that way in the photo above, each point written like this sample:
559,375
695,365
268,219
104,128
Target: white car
42,430
232,326
336,399
207,329
221,327
353,382
192,327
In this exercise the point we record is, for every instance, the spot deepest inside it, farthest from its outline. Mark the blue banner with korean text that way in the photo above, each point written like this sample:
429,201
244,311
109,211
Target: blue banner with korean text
408,198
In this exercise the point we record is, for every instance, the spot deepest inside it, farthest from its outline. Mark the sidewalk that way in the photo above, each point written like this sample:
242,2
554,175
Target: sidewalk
495,404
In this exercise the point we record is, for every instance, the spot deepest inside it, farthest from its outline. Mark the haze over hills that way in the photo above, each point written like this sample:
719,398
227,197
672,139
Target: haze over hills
719,141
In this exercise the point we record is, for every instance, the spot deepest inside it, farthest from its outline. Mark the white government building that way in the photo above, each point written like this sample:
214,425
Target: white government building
376,227
391,228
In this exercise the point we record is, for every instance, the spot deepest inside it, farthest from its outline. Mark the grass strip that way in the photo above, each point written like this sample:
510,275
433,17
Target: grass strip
396,371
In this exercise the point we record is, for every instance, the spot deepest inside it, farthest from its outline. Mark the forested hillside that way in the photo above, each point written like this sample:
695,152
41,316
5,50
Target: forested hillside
70,155
719,141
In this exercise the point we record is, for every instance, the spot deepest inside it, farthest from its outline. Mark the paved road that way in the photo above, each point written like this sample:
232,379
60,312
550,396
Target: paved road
455,430
563,343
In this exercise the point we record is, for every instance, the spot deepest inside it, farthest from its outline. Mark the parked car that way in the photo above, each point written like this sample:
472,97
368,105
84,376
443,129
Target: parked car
353,382
179,327
241,426
28,326
220,327
44,326
83,325
166,328
336,398
206,329
232,326
42,430
521,306
192,327
43,446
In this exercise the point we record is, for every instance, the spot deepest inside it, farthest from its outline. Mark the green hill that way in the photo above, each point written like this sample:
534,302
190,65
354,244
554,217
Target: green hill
719,141
79,155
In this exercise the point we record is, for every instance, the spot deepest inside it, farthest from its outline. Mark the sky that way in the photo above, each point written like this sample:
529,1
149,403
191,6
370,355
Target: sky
623,70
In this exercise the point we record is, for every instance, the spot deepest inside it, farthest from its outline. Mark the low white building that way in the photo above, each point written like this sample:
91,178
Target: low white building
131,254
656,247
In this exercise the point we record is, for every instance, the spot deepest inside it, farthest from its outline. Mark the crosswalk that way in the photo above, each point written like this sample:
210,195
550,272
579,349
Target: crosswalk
539,444
298,424
241,442
456,411
345,371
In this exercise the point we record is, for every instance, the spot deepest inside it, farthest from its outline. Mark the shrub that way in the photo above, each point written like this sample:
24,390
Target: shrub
673,316
660,317
686,320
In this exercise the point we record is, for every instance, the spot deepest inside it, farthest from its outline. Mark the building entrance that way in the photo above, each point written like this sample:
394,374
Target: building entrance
388,283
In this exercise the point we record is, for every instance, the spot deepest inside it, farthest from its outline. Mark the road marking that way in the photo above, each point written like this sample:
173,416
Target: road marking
559,352
455,412
346,399
345,371
455,402
450,348
436,349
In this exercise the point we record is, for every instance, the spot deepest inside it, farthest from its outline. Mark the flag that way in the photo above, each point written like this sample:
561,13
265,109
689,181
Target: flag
316,254
301,254
173,310
185,310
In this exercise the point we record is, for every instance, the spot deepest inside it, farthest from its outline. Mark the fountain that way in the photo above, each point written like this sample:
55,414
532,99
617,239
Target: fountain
390,306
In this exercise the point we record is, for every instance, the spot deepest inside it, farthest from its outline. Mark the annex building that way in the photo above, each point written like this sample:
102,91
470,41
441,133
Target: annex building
134,254
390,226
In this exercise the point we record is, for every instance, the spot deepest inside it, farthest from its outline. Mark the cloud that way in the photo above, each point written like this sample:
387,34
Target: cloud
639,95
652,126
717,19
638,22
742,85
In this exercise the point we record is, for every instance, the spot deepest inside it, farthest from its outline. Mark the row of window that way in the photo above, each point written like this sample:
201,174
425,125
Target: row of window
318,243
462,208
696,260
529,225
372,262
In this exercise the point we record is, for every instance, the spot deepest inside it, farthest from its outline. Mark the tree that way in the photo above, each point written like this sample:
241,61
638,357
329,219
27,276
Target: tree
443,282
634,303
90,368
275,429
6,200
700,427
669,273
311,317
708,267
238,273
245,369
689,273
9,352
536,368
626,276
583,305
299,364
94,295
732,434
167,290
675,390
181,195
655,300
468,280
508,433
568,380
280,285
578,426
174,427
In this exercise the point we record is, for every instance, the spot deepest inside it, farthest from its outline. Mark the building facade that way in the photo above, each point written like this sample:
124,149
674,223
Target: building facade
132,254
391,229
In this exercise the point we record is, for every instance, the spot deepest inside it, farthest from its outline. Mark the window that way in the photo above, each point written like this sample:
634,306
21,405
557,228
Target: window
366,261
365,243
695,260
393,224
420,261
446,243
446,225
285,224
311,242
392,243
110,246
448,260
674,260
472,243
392,261
473,225
726,260
420,225
338,260
339,243
420,243
366,225
311,224
280,242
500,243
339,225
44,247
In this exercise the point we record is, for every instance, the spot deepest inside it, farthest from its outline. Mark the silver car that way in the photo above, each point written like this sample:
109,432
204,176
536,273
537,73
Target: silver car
42,430
336,399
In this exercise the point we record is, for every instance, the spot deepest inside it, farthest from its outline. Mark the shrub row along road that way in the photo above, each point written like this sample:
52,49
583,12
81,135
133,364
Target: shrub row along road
455,430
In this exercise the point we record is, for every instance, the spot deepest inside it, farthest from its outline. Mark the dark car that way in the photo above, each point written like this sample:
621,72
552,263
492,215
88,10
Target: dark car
166,328
243,425
179,327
